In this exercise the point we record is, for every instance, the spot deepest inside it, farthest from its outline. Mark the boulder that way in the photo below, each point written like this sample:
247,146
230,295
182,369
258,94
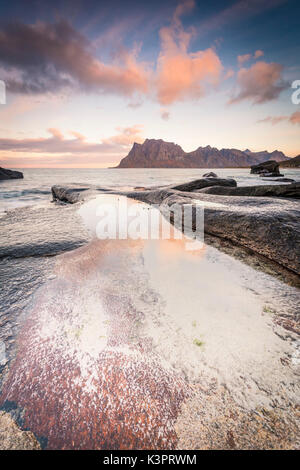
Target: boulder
272,190
271,166
204,183
6,174
210,175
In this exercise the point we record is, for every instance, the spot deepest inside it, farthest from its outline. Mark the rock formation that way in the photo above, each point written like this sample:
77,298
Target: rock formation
160,154
10,174
266,169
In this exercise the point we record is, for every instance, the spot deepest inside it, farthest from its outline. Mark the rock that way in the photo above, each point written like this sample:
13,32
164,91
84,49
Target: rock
283,180
6,174
272,190
13,438
204,183
156,153
268,225
266,174
271,166
210,175
3,357
70,193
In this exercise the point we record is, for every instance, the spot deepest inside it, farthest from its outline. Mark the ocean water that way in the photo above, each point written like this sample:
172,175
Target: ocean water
35,188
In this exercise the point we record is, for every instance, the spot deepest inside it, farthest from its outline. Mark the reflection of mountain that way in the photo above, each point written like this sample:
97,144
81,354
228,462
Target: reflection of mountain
160,154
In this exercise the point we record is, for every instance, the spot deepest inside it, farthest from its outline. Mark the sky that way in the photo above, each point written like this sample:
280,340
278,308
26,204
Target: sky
81,81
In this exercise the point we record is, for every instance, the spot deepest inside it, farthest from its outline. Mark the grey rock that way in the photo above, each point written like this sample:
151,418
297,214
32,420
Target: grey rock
270,166
210,175
272,190
6,174
204,183
267,174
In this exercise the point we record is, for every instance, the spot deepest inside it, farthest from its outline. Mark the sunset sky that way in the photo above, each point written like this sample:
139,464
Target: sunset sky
86,79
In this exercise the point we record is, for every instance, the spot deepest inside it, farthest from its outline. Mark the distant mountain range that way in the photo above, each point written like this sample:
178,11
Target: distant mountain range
155,153
292,162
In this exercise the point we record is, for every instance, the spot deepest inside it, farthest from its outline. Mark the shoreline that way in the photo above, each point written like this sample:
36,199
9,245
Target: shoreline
74,273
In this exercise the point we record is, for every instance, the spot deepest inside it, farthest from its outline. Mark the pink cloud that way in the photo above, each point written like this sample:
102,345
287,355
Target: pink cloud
295,118
258,54
182,74
243,58
56,143
260,83
55,133
126,136
274,119
229,74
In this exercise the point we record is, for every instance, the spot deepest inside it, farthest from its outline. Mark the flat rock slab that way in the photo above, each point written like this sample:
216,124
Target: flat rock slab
204,183
272,190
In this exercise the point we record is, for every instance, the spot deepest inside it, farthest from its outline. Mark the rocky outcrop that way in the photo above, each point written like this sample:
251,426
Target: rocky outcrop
272,190
204,183
154,154
269,168
6,174
160,154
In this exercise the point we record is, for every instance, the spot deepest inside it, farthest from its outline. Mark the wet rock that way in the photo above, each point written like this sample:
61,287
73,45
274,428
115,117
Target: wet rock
6,174
210,175
70,193
282,190
266,174
204,183
282,179
267,223
271,166
13,438
3,358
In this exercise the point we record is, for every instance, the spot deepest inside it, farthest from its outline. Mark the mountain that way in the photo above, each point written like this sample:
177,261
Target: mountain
292,162
155,153
265,155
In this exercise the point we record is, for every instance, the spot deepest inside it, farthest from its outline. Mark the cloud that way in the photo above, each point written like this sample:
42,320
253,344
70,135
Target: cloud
165,115
293,119
55,133
126,136
182,74
45,57
229,74
56,143
274,119
260,83
243,58
258,54
246,57
78,135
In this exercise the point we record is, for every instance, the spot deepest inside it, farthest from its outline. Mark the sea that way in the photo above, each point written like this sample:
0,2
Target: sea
35,188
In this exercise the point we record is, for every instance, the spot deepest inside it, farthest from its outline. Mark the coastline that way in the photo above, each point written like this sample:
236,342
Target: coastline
73,273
